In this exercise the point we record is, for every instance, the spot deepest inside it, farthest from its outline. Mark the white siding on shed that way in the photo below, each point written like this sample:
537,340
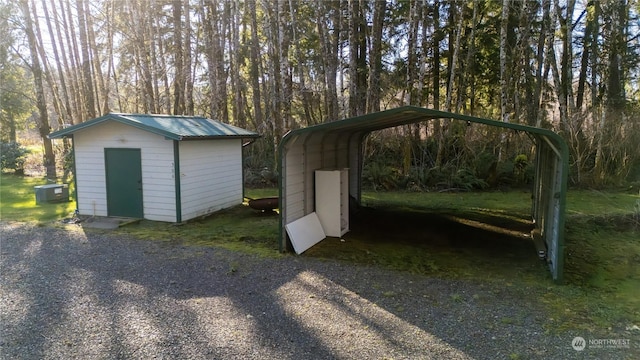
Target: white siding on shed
210,176
158,181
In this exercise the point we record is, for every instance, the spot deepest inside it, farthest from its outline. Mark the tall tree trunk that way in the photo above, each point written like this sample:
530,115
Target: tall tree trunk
561,77
284,42
68,77
505,110
275,91
156,53
164,97
214,27
412,56
47,73
329,40
140,18
305,93
109,14
536,118
594,60
74,63
236,60
424,58
437,37
373,93
254,66
189,106
566,65
589,37
454,56
610,153
65,115
504,88
95,57
178,84
468,62
87,78
357,59
41,102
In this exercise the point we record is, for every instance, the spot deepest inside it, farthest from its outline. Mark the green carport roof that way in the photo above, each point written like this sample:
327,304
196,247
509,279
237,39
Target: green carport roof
175,127
406,115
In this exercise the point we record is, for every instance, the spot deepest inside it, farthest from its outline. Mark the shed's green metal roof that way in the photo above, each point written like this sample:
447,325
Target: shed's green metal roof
175,127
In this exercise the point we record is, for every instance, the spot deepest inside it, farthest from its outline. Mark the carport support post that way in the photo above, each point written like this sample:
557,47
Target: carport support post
282,236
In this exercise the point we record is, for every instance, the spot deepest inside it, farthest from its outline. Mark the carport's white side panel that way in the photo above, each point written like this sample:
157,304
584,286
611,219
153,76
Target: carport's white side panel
210,176
329,152
342,152
313,161
294,188
157,169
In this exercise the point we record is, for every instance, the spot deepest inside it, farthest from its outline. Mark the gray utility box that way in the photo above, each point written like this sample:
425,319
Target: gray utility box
52,193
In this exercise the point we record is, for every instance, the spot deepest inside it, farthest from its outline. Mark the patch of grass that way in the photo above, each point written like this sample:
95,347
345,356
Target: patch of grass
18,201
600,203
239,228
257,193
602,276
514,202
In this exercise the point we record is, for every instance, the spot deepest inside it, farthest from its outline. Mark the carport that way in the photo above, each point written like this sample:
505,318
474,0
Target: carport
339,145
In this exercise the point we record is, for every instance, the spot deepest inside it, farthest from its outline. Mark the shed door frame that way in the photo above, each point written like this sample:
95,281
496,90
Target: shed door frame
123,181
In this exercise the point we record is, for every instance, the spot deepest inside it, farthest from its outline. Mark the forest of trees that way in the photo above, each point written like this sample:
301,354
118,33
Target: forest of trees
275,65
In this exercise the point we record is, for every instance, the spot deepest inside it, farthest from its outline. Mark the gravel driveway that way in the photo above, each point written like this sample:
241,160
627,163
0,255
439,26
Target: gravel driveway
71,294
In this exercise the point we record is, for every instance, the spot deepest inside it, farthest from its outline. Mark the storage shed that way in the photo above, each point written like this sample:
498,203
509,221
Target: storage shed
337,147
156,167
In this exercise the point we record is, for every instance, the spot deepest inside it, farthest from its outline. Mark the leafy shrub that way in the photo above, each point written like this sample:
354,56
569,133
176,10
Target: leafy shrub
520,166
505,174
380,176
12,156
447,177
484,164
465,179
260,177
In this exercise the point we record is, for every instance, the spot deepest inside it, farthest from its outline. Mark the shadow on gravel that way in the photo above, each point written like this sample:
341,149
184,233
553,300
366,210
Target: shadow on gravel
68,294
71,294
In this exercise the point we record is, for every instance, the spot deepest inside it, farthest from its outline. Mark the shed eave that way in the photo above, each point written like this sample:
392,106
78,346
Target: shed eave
218,137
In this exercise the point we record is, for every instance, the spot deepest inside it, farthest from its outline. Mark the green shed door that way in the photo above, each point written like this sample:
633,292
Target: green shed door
123,168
